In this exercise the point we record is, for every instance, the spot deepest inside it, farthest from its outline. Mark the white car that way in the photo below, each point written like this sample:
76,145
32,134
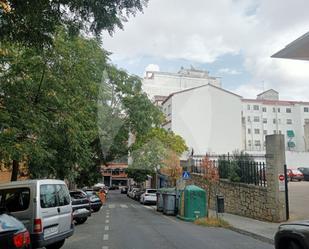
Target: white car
132,192
150,196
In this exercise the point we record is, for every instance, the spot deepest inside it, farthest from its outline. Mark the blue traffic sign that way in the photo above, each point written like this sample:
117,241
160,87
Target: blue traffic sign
185,175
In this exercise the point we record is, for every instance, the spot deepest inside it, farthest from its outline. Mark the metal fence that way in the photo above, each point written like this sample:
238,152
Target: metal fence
244,171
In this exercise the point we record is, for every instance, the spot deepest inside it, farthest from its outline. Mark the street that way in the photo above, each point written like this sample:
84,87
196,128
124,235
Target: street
125,224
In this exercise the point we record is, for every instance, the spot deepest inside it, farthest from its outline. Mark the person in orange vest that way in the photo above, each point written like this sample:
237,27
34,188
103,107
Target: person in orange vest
102,196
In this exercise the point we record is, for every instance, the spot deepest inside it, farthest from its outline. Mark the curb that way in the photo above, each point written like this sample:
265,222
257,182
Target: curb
253,235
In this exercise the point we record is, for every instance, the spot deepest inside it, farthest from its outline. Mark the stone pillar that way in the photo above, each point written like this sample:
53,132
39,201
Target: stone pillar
275,161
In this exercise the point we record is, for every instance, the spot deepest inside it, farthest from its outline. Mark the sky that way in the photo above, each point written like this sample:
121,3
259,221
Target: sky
232,39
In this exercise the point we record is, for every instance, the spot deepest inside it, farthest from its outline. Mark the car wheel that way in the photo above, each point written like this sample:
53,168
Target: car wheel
95,210
56,245
294,245
81,220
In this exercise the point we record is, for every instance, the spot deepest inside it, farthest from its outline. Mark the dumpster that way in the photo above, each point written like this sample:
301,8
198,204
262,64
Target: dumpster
160,199
192,203
169,203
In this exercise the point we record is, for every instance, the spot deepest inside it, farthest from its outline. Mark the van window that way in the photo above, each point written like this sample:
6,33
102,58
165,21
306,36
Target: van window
63,195
48,196
15,200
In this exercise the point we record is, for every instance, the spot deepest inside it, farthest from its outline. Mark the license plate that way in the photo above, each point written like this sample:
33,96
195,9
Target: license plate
50,231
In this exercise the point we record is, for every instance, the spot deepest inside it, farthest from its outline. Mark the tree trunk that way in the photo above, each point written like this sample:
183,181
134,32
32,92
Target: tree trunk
15,170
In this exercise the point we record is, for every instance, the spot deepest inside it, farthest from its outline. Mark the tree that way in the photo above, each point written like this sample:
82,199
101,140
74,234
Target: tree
172,167
35,22
49,103
211,177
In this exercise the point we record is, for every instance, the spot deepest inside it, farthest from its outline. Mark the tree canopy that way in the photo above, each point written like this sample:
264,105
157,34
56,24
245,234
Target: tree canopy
35,22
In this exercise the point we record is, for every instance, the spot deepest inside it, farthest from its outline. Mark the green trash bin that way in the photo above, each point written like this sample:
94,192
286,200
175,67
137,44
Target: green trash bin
192,203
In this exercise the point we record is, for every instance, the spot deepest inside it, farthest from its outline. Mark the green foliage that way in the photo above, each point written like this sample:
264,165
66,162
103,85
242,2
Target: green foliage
138,175
35,22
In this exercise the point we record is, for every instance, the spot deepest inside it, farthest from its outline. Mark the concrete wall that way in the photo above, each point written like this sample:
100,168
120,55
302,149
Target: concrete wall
208,119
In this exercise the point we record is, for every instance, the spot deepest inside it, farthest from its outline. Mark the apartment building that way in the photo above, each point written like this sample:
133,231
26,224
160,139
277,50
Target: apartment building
267,115
158,85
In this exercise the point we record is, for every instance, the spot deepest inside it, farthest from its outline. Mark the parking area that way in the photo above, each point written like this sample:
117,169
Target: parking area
299,200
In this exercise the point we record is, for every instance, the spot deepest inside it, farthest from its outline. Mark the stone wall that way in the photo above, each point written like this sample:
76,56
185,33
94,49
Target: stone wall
240,199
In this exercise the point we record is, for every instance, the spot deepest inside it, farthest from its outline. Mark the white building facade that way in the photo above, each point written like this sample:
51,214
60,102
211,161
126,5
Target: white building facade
163,84
207,117
268,115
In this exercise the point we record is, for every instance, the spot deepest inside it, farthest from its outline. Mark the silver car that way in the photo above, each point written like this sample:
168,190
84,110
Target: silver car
44,206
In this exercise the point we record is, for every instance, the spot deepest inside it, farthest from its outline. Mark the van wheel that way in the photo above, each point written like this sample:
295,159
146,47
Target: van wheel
56,245
294,245
81,220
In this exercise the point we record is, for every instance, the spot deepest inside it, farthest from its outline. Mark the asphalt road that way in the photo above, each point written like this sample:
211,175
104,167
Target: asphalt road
125,224
299,200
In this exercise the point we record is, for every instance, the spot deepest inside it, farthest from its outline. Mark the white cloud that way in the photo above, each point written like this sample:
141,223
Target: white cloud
152,67
229,71
203,30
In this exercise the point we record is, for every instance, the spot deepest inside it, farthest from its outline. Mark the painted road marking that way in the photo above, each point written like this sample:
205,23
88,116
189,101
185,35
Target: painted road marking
107,221
107,216
148,207
111,205
104,247
105,237
123,206
106,228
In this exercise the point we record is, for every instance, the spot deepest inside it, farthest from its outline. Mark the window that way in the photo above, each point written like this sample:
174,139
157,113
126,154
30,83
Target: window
274,109
257,143
288,110
48,196
264,120
256,119
265,132
249,143
306,109
248,107
169,110
249,131
16,199
264,109
289,121
280,132
274,121
256,131
63,195
306,121
275,132
248,118
256,107
278,109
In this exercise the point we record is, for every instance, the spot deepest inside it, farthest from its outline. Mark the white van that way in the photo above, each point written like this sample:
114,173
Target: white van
44,206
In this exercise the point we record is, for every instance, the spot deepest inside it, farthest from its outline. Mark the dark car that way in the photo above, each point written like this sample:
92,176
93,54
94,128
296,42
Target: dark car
13,233
305,172
95,201
293,236
81,206
124,190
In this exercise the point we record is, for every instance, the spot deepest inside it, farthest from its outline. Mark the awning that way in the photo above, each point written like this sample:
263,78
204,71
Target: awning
297,50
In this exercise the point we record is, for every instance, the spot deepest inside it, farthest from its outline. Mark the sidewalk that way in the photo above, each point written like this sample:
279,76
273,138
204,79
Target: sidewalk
259,229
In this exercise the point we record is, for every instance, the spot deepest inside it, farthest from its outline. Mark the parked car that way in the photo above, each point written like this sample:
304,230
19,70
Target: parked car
149,196
81,206
44,206
305,172
138,194
132,192
13,233
293,236
295,174
95,202
124,190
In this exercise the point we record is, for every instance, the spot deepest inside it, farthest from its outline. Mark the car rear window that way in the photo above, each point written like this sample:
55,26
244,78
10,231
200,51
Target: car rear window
151,191
15,200
77,195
